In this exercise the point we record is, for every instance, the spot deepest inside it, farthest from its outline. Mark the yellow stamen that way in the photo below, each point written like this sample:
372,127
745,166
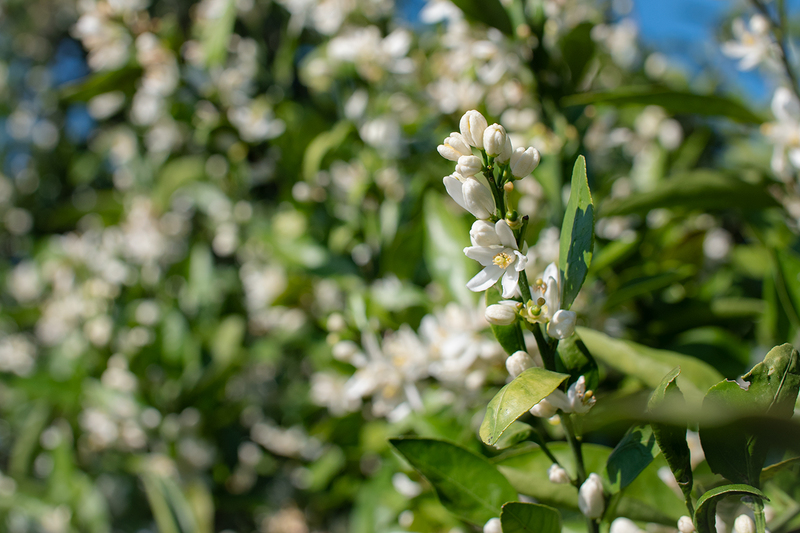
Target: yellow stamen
503,260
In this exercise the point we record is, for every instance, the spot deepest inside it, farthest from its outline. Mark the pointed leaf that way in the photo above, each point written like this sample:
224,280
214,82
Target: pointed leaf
672,438
577,235
467,484
518,517
490,12
517,398
631,456
705,515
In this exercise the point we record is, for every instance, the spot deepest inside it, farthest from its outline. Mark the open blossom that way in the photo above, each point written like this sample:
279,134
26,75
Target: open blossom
576,400
499,254
752,44
785,133
470,194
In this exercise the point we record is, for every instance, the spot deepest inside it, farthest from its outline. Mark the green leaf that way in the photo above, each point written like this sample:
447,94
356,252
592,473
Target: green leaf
445,239
773,470
787,283
518,517
650,365
514,434
510,337
467,484
215,35
517,398
321,145
672,438
489,12
175,174
84,90
574,359
631,456
680,102
700,189
577,235
705,515
771,390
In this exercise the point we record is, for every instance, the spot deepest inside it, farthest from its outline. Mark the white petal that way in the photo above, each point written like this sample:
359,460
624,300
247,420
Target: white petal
483,254
505,234
522,261
510,283
482,234
454,187
485,278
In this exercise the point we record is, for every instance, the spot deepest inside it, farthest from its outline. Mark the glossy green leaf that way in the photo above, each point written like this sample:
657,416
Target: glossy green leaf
649,364
489,12
574,359
84,90
672,438
705,515
577,235
517,398
769,389
445,239
679,102
467,484
518,517
514,434
631,456
698,189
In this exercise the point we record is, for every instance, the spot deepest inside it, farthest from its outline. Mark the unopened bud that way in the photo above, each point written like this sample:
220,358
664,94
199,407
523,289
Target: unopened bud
624,525
482,233
503,157
518,362
478,199
454,147
523,161
501,314
494,140
544,409
557,475
744,524
591,501
469,165
685,524
493,526
508,186
472,126
562,325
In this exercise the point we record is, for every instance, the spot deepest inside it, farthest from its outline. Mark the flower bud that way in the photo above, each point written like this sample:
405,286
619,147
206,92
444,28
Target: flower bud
494,139
454,147
591,501
744,524
482,233
685,524
562,325
472,126
501,314
557,475
579,400
624,525
505,155
493,526
523,161
518,362
544,409
478,199
469,165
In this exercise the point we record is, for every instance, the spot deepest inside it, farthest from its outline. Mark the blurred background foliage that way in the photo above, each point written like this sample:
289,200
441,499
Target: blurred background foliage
215,213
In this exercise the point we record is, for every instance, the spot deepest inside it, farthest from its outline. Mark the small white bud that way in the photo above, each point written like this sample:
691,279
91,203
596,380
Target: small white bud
590,497
469,165
454,147
518,362
624,525
493,526
523,161
562,325
685,524
759,24
505,155
544,409
501,314
557,475
483,233
744,524
478,199
494,139
472,126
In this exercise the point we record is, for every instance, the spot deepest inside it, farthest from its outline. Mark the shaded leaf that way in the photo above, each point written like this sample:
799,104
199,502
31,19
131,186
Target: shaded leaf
705,515
490,12
773,470
787,283
518,517
517,398
574,359
672,101
467,484
514,434
577,235
631,456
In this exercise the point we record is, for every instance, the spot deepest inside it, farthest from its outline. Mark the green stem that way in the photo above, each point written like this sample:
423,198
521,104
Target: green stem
548,356
575,445
524,287
543,445
758,514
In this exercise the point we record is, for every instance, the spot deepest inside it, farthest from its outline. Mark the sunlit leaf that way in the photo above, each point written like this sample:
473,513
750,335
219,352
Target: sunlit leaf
577,235
631,456
518,517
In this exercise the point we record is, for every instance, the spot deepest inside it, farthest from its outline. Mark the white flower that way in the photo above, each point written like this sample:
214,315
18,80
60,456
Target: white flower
493,526
501,258
576,400
454,147
624,525
502,314
751,46
685,525
469,165
557,475
544,409
785,133
518,362
472,126
494,140
562,325
590,497
744,524
470,194
523,161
